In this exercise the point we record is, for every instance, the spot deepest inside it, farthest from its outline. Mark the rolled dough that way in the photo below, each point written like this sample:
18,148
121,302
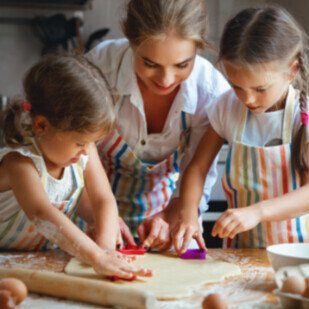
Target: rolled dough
173,277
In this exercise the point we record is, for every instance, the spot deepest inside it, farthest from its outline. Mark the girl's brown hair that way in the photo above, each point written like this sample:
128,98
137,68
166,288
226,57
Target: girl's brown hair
264,35
152,18
69,91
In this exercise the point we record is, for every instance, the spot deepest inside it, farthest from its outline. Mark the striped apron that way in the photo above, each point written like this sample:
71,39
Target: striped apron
253,174
19,233
141,188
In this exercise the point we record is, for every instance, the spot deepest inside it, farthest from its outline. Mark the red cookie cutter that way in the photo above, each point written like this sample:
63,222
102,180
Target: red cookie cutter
132,250
116,278
194,254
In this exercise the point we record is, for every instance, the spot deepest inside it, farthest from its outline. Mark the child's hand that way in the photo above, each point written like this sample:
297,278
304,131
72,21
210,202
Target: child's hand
113,263
234,221
186,229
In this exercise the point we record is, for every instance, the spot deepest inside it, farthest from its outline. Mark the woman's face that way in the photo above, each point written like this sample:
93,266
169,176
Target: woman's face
162,64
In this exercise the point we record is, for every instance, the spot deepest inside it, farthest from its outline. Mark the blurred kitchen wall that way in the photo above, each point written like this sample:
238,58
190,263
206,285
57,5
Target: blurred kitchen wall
19,48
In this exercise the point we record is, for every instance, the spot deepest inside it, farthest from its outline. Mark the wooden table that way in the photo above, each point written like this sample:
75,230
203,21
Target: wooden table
251,290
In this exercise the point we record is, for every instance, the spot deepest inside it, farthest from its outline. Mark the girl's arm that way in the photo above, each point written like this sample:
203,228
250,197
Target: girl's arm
102,200
284,207
186,223
24,180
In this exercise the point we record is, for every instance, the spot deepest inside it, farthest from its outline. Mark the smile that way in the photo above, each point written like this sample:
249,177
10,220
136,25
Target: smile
162,87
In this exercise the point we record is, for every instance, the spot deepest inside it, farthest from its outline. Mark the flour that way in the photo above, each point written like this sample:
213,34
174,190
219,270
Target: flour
54,233
18,260
35,302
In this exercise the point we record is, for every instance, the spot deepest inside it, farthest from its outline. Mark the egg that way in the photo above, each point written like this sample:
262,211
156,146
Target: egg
6,300
306,292
17,288
214,301
294,285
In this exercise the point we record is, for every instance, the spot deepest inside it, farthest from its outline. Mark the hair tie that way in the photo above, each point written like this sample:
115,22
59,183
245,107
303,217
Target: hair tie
26,106
304,118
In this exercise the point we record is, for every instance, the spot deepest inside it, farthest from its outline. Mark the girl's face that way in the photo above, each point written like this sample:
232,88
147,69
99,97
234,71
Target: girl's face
62,148
261,88
162,64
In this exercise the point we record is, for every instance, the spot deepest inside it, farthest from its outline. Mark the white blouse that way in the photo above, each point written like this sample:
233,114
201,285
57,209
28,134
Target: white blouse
196,94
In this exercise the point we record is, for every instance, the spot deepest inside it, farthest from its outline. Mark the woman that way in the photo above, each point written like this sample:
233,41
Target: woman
162,92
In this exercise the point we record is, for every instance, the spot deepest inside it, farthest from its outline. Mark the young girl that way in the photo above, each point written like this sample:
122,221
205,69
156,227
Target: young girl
50,155
265,121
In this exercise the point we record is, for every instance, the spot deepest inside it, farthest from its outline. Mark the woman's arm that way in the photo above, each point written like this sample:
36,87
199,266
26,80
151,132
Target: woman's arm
185,225
54,225
284,207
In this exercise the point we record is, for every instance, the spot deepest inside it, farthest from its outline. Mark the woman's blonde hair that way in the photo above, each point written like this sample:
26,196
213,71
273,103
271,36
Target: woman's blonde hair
153,18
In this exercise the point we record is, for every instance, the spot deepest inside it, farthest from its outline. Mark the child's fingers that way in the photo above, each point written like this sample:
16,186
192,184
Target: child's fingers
235,231
228,228
220,224
135,270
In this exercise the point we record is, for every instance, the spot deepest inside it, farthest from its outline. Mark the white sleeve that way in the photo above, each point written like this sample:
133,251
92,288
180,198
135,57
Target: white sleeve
224,115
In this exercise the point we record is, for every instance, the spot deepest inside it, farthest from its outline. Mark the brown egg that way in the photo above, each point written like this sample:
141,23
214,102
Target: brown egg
17,288
214,301
6,300
294,285
306,292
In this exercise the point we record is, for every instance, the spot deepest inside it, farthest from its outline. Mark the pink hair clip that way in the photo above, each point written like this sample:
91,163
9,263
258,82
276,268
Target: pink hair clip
304,118
26,106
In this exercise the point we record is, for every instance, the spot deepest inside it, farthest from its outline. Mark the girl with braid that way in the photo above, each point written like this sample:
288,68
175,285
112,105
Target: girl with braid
265,121
49,158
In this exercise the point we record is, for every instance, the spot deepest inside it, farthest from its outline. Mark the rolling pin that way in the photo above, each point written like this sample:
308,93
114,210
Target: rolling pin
80,289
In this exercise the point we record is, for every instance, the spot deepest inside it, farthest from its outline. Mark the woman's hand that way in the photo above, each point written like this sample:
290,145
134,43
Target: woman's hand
234,221
154,232
113,263
187,228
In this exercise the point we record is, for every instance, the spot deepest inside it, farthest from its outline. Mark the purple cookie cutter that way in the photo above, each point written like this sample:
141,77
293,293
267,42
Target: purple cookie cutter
194,254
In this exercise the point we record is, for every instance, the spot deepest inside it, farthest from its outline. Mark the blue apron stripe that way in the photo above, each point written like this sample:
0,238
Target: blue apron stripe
141,202
119,154
115,182
175,163
183,120
298,229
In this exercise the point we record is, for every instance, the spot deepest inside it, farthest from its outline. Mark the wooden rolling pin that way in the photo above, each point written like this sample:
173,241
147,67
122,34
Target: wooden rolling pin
81,289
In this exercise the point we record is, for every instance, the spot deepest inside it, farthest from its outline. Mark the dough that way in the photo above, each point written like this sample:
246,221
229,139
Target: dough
173,277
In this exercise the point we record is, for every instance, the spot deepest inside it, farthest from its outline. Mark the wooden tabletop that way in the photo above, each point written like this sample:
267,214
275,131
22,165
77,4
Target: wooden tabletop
253,287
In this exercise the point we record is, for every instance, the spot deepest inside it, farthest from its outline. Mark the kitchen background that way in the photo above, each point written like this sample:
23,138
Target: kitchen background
29,28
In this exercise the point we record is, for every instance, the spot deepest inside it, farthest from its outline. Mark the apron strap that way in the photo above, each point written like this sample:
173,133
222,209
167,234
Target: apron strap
287,118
